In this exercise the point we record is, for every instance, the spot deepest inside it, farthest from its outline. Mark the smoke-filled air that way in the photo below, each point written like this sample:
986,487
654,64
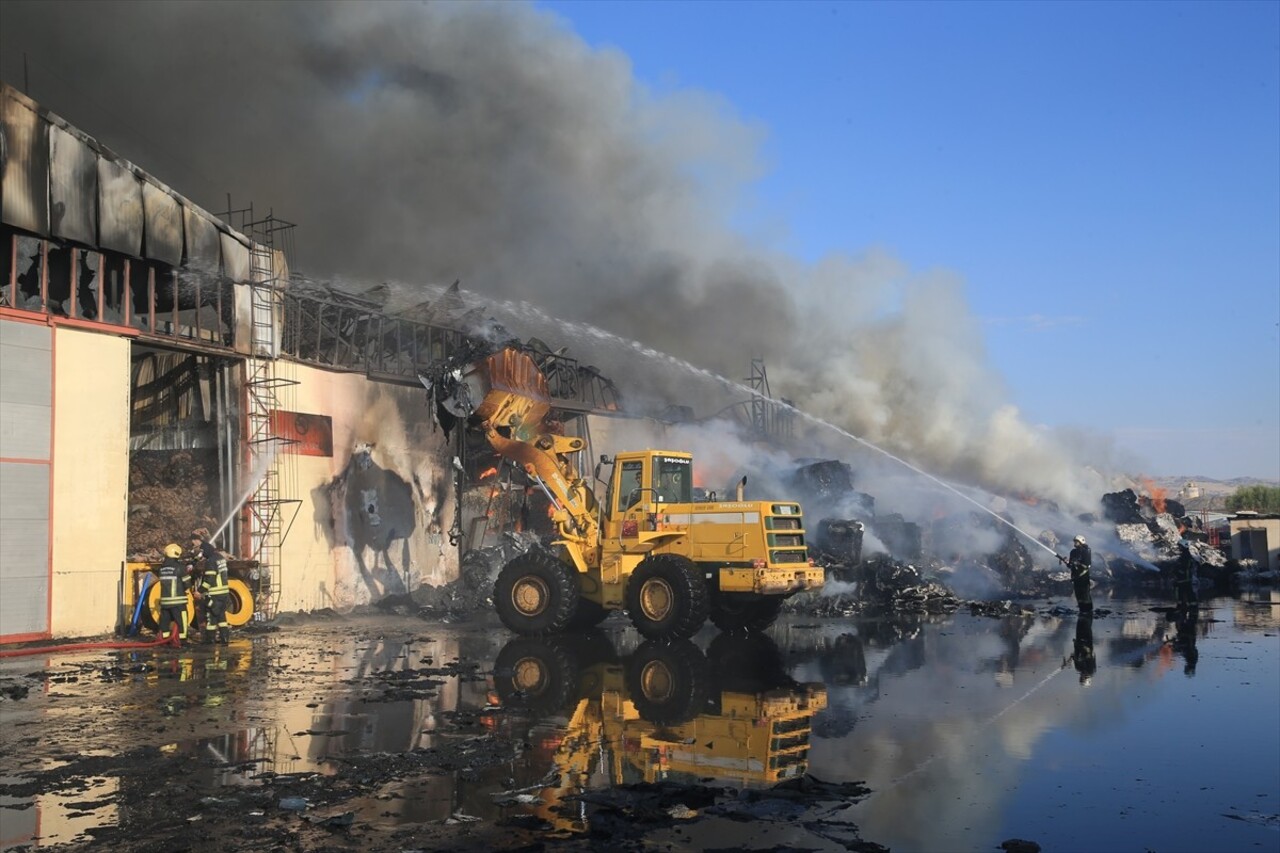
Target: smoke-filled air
426,143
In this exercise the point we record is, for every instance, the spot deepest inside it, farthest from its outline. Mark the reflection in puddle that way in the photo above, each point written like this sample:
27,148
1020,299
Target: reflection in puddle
967,729
665,712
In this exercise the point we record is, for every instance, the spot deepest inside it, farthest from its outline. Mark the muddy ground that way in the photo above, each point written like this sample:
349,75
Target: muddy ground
918,731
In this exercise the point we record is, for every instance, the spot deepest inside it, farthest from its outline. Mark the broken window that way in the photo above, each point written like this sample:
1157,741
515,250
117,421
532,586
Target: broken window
142,305
8,254
115,271
87,281
30,274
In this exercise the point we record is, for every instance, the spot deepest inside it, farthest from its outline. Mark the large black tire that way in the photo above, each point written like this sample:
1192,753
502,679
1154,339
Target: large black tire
667,597
667,682
535,593
537,674
744,611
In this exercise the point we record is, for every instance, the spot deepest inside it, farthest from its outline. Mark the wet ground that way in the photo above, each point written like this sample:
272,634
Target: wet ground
1137,730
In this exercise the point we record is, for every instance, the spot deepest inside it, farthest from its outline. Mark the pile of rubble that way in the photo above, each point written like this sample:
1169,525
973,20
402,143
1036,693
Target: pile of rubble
171,493
471,593
921,573
1153,539
877,583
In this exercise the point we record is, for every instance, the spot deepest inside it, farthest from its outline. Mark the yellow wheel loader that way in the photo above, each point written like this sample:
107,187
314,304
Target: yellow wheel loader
647,547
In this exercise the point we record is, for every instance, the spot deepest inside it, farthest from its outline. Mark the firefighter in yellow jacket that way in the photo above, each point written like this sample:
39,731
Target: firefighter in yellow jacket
213,587
173,592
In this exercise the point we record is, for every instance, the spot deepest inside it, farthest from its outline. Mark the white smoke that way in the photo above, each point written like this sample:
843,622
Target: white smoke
488,142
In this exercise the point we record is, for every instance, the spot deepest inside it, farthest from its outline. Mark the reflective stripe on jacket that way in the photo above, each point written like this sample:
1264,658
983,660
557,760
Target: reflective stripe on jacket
173,583
214,579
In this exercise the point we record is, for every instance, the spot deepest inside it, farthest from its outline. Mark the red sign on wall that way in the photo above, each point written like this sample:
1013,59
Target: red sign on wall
307,435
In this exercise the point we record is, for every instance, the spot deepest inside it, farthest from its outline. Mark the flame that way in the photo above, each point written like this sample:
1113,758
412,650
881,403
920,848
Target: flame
488,472
1156,493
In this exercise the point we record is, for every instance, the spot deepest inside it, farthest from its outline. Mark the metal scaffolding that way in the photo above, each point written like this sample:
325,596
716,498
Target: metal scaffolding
770,419
270,510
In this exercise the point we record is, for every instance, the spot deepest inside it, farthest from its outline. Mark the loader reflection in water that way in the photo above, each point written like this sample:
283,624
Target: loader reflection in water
665,712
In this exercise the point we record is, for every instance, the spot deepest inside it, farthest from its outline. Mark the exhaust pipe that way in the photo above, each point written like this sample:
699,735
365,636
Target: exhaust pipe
742,487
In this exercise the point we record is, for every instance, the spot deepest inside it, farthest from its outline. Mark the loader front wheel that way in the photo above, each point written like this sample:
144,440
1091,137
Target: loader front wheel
667,597
535,593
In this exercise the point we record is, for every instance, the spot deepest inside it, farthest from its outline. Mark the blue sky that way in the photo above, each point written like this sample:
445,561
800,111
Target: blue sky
1104,176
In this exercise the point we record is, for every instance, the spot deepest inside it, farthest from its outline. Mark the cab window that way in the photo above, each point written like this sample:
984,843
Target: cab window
631,489
674,481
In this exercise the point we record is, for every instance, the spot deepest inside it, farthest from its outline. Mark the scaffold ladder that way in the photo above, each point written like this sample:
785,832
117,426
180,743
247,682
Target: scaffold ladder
267,506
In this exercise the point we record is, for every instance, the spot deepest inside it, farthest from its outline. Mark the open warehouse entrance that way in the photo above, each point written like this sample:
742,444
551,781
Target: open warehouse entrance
184,441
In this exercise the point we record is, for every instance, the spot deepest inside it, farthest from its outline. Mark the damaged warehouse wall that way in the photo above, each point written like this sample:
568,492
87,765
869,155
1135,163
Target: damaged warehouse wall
65,428
90,478
374,510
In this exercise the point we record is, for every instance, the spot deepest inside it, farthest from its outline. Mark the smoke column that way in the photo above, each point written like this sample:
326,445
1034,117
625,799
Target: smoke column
487,142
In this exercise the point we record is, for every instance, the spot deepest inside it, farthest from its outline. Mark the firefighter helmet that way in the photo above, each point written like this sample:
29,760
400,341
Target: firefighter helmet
172,550
1079,540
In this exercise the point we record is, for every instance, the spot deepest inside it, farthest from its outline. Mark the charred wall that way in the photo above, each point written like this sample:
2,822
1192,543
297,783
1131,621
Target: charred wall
375,512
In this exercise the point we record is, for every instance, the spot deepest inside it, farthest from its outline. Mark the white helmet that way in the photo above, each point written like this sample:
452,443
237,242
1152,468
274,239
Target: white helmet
1079,540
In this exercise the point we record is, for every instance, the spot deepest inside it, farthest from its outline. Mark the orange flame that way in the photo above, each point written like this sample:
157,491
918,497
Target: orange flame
488,472
1156,493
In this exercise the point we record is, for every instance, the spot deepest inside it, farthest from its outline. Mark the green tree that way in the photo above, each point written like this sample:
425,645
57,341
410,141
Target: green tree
1259,498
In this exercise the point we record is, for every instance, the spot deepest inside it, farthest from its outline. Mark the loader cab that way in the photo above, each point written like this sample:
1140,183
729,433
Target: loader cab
650,477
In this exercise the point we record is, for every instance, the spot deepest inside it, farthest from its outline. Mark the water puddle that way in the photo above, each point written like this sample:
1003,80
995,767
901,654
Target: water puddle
918,732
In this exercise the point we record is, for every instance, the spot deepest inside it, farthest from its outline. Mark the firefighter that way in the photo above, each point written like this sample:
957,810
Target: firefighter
173,592
1080,561
213,588
637,492
1184,578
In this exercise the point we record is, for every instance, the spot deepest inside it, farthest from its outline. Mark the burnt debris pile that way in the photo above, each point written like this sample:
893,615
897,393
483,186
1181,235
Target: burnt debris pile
1152,532
170,493
880,582
881,562
471,592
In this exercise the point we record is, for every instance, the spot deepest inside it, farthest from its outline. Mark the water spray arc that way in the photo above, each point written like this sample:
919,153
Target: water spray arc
524,310
260,470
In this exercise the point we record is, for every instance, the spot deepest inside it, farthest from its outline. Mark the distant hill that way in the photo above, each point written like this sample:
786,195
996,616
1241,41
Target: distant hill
1212,493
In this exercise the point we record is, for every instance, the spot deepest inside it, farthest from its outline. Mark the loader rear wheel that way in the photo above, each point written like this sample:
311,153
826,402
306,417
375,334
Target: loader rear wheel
744,611
667,683
239,603
535,593
667,597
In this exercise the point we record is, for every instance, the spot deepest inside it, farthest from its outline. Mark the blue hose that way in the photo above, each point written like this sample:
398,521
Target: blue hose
148,580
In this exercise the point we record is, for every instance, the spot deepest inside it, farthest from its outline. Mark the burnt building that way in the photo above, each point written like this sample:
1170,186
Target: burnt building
159,373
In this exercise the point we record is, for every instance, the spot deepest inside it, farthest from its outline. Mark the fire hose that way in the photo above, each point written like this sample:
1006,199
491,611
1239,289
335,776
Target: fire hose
170,639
